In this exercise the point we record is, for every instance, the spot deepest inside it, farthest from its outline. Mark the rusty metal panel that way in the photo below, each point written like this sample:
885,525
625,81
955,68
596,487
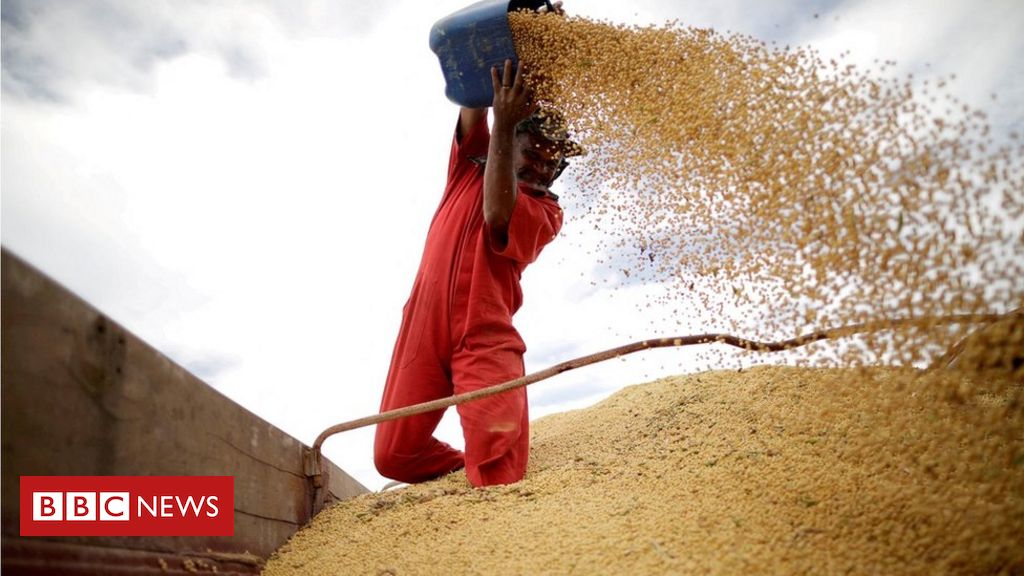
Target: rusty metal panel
83,396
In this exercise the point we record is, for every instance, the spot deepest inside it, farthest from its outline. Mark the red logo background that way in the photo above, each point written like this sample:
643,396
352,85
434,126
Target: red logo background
146,487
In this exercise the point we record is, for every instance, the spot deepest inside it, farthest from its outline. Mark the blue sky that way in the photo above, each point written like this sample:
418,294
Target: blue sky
247,184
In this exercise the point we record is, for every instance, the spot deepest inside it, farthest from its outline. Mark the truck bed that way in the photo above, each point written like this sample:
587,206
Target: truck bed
81,396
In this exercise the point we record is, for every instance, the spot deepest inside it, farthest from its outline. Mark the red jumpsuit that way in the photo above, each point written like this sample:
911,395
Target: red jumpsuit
457,335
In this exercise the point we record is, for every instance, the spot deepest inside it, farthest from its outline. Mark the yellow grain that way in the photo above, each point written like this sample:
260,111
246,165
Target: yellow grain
770,470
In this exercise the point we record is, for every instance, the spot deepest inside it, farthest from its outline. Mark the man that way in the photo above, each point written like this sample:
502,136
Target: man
496,215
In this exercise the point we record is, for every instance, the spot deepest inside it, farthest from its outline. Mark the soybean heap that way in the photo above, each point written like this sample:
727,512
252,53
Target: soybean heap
772,470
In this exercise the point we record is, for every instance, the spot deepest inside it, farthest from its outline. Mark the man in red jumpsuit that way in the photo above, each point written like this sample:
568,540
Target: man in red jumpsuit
496,215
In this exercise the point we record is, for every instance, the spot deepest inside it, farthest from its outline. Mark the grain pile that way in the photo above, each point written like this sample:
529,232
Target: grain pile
771,470
778,192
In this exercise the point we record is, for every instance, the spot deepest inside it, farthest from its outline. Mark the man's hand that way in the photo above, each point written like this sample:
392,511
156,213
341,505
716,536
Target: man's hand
556,8
512,104
512,98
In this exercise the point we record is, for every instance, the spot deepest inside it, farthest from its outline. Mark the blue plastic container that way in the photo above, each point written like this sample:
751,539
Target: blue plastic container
469,42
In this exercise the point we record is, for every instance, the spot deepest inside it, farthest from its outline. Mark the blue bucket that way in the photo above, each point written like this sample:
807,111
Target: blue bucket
469,42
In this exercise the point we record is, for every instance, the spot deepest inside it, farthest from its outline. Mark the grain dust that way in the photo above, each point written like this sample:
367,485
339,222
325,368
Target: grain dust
778,192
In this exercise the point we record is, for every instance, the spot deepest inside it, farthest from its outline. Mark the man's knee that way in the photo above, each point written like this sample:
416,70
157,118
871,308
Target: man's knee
435,461
390,465
389,462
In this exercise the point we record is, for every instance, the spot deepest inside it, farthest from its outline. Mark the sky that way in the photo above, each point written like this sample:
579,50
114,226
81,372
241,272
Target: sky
246,184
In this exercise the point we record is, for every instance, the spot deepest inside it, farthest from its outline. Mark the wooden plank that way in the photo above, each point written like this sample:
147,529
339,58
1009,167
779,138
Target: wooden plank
83,396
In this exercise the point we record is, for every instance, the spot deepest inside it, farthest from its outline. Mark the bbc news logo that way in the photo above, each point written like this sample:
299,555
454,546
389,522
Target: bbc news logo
127,506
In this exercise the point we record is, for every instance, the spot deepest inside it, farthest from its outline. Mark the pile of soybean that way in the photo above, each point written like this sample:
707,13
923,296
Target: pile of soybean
772,470
769,191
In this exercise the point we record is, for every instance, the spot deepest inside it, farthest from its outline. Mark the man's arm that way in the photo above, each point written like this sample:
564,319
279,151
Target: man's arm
511,105
468,117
